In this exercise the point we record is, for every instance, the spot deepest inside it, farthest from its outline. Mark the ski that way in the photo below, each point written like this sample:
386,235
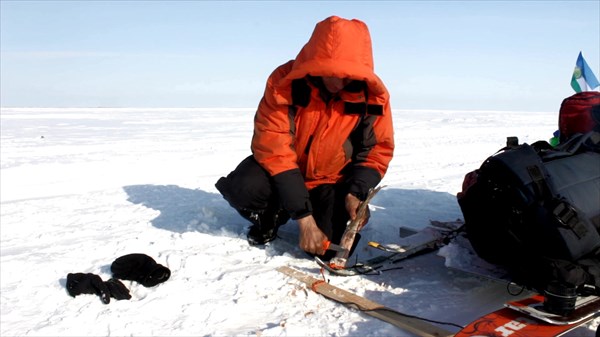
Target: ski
585,308
412,242
432,237
525,318
470,263
414,325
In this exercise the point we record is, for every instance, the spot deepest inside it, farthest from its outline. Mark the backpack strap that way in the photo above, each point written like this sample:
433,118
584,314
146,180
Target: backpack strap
568,217
540,185
562,210
589,141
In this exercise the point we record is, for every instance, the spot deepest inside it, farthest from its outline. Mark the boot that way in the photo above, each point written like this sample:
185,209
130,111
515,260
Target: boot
265,226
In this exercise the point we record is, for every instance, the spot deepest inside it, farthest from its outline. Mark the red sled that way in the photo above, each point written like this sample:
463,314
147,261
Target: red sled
526,318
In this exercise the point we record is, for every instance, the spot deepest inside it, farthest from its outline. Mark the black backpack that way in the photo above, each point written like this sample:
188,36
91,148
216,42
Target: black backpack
535,210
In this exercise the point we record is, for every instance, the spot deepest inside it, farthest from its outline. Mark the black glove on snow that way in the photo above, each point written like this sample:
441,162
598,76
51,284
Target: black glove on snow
117,289
140,268
80,283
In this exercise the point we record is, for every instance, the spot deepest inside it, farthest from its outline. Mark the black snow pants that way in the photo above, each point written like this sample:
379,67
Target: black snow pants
249,189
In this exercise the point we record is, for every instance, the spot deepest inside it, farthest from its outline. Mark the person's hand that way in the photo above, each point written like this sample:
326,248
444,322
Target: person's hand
311,237
352,204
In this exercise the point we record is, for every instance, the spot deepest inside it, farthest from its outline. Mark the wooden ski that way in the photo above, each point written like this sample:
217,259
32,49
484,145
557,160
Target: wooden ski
413,325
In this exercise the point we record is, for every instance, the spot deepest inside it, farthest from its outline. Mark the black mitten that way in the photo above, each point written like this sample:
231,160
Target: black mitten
140,268
117,289
80,283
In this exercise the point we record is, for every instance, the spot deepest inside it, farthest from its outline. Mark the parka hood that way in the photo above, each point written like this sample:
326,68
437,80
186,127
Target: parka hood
338,48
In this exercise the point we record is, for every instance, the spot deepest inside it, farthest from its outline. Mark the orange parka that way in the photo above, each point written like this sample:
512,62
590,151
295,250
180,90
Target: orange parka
304,137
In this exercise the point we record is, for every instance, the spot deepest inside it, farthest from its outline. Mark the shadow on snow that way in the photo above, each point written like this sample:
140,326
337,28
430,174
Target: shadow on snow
186,210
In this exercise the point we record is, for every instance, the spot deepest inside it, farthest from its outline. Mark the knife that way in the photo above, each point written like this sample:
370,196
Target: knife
327,245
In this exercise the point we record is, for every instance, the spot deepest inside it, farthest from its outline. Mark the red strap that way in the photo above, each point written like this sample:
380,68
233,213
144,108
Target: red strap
315,284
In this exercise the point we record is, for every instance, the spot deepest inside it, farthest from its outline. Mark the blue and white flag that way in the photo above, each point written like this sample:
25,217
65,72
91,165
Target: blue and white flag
583,77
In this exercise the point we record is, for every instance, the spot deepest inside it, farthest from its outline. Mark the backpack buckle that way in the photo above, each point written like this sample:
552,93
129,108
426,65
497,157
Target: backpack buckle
567,216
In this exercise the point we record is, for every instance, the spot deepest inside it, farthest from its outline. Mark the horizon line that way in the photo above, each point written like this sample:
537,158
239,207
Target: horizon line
253,108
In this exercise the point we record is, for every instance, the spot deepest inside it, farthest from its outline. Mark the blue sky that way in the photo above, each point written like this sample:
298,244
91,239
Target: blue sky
492,55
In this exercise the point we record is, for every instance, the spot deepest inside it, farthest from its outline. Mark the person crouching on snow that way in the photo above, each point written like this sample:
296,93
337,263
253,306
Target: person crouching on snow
323,136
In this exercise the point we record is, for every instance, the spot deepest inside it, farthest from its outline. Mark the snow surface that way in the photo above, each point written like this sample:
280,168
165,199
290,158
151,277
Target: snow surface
81,187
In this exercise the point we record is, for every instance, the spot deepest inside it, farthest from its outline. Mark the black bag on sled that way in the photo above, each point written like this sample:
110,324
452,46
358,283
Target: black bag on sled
535,210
